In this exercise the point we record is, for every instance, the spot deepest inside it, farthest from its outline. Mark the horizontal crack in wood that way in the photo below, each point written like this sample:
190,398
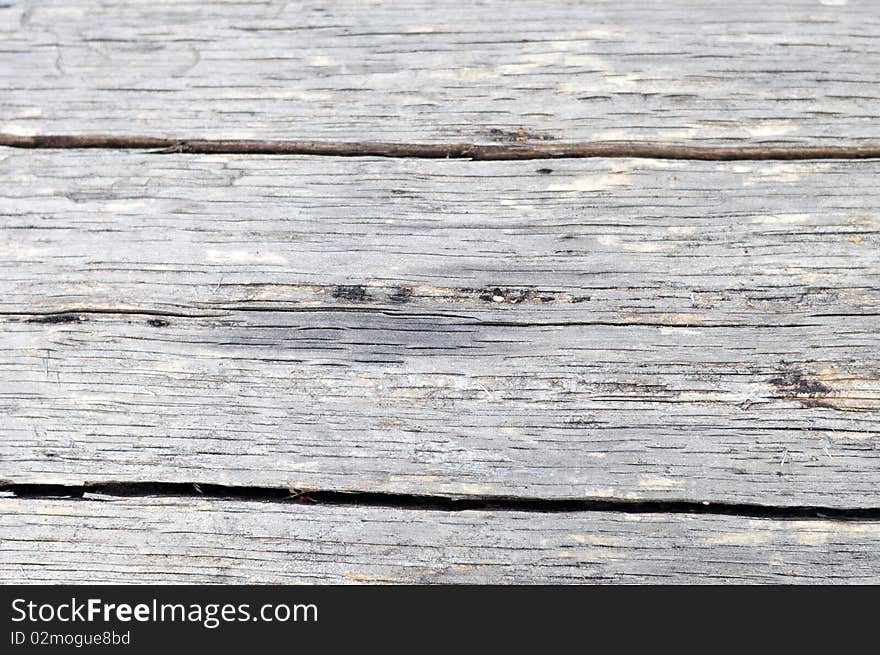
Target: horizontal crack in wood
76,315
80,315
643,150
418,502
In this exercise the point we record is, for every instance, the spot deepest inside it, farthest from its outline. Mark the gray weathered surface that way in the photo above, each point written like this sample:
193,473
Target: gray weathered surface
194,541
795,71
635,330
661,330
623,241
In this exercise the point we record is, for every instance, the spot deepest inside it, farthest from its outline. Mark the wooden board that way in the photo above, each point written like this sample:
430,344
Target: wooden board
582,329
793,71
198,541
687,244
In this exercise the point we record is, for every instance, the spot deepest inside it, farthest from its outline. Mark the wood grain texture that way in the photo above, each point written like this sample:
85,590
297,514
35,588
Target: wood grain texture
585,329
178,541
622,241
792,71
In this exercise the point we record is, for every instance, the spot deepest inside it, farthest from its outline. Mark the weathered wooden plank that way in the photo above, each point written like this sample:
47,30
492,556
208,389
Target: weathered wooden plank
193,541
627,329
631,241
343,400
795,71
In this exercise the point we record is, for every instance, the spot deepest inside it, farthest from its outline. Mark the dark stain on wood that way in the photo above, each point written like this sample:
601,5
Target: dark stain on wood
514,296
401,295
795,385
354,293
57,319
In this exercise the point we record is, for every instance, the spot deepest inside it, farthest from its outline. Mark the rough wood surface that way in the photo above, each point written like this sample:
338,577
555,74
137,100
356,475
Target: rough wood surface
191,541
625,329
794,71
687,244
635,370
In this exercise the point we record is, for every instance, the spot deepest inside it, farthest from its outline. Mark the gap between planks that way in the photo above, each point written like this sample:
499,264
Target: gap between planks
631,150
425,502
